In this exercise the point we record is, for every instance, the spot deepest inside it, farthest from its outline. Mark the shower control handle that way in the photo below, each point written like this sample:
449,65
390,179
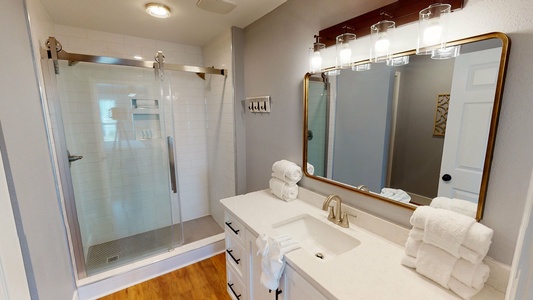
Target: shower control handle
232,229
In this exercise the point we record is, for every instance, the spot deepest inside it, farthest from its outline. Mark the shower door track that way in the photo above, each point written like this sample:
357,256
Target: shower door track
74,58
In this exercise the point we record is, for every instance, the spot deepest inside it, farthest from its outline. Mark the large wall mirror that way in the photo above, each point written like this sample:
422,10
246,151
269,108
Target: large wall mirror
409,133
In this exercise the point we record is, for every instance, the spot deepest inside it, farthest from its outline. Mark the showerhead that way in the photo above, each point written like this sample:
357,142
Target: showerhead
217,6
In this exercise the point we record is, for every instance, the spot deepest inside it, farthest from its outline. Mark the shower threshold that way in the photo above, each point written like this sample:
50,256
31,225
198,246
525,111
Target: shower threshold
109,255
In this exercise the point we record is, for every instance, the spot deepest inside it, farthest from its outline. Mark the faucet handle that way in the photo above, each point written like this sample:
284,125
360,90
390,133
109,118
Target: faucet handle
331,214
345,223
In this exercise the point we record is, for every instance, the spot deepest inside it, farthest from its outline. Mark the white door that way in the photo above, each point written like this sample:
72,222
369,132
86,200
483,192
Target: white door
13,284
469,116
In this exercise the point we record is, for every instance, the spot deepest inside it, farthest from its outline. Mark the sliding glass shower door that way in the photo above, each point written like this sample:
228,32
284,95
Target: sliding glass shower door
115,124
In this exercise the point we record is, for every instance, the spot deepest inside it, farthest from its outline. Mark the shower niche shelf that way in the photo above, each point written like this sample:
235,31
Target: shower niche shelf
146,119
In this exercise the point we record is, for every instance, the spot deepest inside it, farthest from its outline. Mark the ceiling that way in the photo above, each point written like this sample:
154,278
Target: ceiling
188,24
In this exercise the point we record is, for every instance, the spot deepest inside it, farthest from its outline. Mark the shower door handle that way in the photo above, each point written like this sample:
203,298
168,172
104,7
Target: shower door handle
171,163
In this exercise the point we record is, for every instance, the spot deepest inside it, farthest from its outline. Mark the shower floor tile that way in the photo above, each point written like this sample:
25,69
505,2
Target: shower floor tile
119,252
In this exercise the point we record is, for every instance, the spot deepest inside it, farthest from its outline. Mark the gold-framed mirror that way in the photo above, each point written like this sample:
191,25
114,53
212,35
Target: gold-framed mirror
407,134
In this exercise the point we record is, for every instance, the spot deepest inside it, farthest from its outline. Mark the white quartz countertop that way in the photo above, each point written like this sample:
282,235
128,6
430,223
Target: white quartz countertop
371,270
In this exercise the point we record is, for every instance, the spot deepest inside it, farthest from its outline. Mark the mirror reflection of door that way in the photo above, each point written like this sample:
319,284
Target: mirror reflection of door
470,109
317,127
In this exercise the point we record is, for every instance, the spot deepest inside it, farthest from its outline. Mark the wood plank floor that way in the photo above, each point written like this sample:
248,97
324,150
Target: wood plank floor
203,280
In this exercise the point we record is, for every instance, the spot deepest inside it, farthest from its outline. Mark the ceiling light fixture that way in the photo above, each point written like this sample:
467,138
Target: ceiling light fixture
158,10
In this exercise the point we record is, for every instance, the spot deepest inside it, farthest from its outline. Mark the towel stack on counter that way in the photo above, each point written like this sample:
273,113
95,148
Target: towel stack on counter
272,251
449,247
457,205
285,175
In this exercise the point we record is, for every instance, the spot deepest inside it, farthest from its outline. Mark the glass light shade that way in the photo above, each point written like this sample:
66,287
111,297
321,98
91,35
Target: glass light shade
381,35
158,10
361,67
398,61
315,57
433,28
333,72
344,50
446,53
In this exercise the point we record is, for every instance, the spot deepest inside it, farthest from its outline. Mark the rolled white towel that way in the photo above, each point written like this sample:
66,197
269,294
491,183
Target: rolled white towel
283,190
471,275
287,171
461,289
435,263
310,169
464,207
447,230
470,255
395,194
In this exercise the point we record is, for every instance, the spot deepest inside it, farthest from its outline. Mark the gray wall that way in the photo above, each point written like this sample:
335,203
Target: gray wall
39,219
417,153
275,64
361,145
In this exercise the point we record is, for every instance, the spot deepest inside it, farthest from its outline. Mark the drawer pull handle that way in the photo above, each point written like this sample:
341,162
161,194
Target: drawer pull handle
231,288
234,259
229,225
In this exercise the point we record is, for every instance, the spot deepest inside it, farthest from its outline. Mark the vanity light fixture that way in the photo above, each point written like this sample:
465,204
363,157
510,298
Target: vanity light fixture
158,10
398,61
344,51
433,28
446,53
315,56
381,35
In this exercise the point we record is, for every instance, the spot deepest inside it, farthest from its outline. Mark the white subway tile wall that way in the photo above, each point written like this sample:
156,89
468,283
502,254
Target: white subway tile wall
115,187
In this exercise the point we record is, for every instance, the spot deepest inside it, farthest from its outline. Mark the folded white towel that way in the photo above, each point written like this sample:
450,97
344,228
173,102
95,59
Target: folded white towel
395,194
310,169
478,239
272,251
412,246
471,275
447,230
462,290
421,213
470,255
435,263
282,190
409,261
416,234
464,207
287,171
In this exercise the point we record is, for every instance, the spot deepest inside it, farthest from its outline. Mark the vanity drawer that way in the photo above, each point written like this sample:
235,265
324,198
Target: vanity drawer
235,287
234,228
235,254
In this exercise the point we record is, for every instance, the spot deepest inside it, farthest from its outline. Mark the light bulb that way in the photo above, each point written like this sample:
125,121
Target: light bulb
432,34
158,10
345,55
382,45
316,62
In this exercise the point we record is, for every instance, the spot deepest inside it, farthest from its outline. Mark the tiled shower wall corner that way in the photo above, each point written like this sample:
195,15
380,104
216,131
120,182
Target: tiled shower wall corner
190,120
219,93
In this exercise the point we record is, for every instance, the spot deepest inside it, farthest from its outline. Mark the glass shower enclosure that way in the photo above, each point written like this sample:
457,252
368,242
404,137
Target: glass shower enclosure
111,130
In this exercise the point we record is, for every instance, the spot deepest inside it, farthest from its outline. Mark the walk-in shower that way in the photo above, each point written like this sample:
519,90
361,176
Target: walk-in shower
115,131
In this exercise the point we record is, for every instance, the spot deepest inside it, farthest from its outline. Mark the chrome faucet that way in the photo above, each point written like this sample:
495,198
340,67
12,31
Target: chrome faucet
335,214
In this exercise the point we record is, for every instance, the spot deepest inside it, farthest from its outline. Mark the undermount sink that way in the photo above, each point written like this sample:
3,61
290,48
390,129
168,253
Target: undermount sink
316,237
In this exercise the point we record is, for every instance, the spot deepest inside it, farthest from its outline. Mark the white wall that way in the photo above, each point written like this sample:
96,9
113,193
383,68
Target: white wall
41,229
220,123
276,61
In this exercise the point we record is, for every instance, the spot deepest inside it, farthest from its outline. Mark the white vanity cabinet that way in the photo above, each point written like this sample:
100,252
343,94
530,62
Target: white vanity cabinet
243,268
237,272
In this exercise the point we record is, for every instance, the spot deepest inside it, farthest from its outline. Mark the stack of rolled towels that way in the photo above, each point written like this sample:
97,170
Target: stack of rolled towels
285,175
449,247
457,205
